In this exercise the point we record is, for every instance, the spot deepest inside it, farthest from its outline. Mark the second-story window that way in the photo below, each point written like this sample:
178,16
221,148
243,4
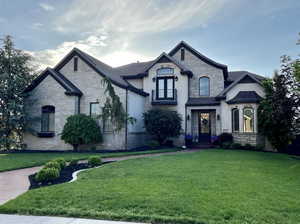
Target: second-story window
75,64
204,87
182,54
165,88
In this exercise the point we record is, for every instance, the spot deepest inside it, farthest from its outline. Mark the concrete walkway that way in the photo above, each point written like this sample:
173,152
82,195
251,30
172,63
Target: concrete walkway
22,219
14,183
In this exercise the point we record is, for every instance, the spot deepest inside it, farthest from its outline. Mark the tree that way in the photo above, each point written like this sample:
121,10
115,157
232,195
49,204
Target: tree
113,109
81,129
162,124
278,113
15,74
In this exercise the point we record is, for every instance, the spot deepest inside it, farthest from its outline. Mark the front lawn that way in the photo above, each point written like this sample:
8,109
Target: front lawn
12,161
213,186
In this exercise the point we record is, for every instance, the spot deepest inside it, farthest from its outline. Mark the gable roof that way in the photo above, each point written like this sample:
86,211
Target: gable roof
245,97
140,70
234,75
238,80
70,88
100,68
183,44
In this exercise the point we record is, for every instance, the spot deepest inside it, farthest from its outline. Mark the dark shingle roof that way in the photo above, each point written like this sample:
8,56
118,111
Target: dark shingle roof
245,97
70,88
202,101
234,75
133,68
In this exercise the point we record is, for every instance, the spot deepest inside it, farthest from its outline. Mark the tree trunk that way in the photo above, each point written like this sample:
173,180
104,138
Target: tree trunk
75,147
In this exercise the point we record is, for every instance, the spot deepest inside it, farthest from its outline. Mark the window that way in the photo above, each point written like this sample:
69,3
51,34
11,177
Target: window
95,109
248,118
182,54
107,126
165,71
47,121
165,88
204,86
75,64
235,120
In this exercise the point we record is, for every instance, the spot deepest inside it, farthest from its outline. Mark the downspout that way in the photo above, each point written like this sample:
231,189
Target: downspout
126,123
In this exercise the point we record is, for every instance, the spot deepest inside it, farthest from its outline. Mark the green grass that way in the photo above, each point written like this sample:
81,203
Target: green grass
213,186
12,161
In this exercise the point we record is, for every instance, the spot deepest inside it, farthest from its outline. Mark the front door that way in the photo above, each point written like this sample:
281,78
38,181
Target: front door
204,127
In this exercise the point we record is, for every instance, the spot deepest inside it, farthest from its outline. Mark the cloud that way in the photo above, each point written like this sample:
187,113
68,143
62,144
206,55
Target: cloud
46,7
37,26
107,29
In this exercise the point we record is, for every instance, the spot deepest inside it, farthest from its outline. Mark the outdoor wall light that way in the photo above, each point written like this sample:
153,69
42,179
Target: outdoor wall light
218,116
188,117
153,79
176,78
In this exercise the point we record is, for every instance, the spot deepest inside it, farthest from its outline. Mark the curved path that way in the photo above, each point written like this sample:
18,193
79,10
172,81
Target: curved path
15,182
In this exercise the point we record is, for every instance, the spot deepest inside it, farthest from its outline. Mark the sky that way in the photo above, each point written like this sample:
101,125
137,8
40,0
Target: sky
243,34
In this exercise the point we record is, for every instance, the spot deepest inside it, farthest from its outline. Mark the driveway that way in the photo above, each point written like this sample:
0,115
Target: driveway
14,183
22,219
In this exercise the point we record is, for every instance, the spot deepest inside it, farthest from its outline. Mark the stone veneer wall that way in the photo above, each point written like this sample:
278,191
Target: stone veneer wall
248,138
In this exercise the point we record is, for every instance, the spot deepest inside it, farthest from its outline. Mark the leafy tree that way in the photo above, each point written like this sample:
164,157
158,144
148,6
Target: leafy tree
278,113
81,129
162,124
113,109
15,74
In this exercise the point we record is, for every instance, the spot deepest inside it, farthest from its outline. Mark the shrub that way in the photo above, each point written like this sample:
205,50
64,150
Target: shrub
226,145
53,164
236,146
225,137
94,161
153,144
47,174
73,162
61,161
248,147
162,124
81,129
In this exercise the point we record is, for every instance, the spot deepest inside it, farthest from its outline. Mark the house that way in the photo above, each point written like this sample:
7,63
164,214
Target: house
210,99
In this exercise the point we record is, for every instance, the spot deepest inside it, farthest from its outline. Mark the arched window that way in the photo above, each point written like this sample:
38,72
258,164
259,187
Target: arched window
235,119
165,71
248,119
204,87
48,119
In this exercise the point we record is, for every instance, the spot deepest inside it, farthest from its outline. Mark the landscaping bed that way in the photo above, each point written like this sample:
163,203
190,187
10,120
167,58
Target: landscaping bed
65,175
210,186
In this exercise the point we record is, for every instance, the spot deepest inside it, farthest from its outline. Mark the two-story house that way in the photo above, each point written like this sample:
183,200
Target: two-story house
210,99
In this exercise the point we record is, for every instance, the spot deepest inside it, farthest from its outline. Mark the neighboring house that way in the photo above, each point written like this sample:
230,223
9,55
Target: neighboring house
210,99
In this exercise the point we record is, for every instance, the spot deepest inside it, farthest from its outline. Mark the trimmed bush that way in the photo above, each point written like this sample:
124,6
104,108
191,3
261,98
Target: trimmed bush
248,147
53,164
47,174
225,137
153,144
73,162
61,161
81,129
236,146
162,124
226,145
94,161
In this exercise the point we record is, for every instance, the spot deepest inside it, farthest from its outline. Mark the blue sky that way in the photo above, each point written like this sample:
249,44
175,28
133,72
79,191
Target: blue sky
245,35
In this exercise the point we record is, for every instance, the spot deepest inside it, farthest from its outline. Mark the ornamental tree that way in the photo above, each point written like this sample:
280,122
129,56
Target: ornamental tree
16,72
81,129
162,124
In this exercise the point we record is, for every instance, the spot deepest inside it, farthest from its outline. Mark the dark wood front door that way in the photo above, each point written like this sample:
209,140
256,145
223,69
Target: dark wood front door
204,127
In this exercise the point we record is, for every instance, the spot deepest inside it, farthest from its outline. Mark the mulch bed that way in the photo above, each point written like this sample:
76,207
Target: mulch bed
65,176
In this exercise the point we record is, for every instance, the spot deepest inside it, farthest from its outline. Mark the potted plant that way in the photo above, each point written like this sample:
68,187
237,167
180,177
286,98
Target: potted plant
188,140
